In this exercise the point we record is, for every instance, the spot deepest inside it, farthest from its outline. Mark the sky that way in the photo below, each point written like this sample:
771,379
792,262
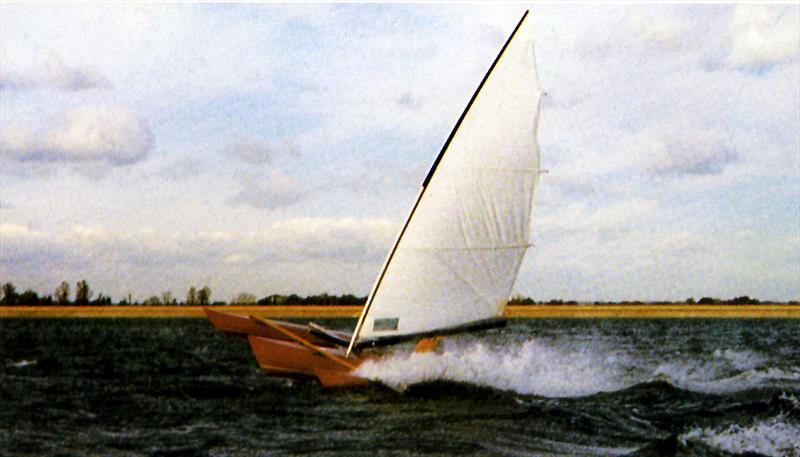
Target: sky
270,148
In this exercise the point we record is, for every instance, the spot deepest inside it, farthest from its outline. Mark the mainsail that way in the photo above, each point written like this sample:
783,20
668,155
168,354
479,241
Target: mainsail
456,259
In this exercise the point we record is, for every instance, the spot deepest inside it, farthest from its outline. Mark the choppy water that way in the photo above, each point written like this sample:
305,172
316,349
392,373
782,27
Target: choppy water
121,387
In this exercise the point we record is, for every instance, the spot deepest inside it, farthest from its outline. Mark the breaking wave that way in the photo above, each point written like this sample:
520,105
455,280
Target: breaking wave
530,367
542,367
776,436
725,371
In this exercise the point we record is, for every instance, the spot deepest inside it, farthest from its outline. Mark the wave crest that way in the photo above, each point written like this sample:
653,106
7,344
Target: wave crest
725,371
530,367
776,436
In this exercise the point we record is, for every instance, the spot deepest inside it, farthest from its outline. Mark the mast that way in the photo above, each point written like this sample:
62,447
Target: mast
431,172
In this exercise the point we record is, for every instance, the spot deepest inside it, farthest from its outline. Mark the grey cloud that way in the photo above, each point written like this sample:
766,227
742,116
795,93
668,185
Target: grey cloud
138,260
697,153
181,169
682,152
110,135
256,152
49,71
271,191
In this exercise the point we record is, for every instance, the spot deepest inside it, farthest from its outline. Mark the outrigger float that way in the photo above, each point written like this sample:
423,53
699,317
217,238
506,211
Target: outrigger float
452,267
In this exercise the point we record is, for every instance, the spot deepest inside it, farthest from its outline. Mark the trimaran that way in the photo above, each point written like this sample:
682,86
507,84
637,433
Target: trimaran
452,267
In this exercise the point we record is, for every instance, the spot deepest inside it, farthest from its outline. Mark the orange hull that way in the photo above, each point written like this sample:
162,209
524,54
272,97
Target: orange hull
242,325
290,359
291,350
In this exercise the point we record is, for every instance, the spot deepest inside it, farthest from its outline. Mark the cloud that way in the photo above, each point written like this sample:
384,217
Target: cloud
370,93
638,31
582,220
181,168
20,244
146,261
698,152
106,134
49,71
270,191
763,36
305,238
257,152
16,231
665,30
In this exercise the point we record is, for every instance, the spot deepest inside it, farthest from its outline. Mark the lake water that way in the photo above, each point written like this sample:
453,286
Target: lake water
120,387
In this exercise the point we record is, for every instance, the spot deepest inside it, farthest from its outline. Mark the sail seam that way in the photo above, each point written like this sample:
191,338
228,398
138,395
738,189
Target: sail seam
512,170
460,277
478,248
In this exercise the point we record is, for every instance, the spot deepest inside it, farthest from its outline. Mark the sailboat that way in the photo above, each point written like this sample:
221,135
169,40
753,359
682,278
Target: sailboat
453,264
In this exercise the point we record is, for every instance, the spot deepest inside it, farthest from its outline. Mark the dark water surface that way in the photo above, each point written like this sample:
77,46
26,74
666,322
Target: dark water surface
122,387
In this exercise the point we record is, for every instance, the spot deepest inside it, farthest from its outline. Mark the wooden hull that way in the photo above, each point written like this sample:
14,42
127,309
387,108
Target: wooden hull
290,350
293,360
236,324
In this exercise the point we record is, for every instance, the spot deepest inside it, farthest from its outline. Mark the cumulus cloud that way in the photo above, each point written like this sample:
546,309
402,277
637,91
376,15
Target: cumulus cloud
107,134
270,191
762,36
255,152
614,127
144,260
49,71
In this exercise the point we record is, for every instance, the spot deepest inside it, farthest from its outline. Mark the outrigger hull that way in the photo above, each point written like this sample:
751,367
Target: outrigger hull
292,360
291,350
236,324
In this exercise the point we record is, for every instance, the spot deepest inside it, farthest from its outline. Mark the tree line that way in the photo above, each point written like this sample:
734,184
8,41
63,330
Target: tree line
743,300
83,295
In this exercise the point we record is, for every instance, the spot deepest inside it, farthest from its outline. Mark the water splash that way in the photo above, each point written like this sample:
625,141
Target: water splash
791,400
529,367
559,368
776,436
725,371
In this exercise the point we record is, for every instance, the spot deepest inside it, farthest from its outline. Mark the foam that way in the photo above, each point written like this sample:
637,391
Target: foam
529,367
791,399
23,363
741,360
725,371
773,437
568,367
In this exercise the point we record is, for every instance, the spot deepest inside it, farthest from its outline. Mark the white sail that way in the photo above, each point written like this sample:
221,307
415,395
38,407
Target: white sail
458,256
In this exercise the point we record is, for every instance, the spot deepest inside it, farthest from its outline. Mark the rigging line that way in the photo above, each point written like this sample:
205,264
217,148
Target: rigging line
469,105
371,298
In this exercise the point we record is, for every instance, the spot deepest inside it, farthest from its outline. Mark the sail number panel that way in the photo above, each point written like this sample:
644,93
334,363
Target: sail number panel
385,324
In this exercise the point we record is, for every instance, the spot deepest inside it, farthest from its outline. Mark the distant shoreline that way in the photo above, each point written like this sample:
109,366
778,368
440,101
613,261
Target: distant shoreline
513,311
